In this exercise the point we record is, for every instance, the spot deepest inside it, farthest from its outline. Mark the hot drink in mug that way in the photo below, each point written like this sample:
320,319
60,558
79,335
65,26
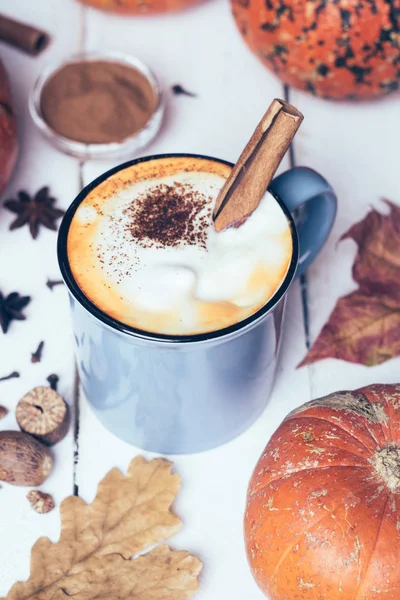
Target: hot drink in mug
143,248
178,326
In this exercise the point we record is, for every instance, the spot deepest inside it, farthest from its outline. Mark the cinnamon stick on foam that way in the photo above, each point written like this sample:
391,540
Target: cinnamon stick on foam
250,177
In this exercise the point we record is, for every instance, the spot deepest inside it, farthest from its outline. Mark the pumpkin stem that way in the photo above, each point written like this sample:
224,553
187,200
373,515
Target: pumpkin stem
387,464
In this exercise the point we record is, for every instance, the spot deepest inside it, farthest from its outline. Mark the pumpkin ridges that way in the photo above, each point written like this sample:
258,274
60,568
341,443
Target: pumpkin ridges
360,416
295,525
335,424
314,448
386,556
393,431
390,398
369,392
254,495
308,529
261,491
354,403
287,475
369,562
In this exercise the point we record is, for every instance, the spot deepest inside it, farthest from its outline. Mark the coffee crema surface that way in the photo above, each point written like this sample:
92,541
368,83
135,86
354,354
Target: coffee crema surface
143,249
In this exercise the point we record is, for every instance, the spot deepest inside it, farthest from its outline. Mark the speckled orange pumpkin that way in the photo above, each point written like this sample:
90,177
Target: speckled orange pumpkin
141,7
340,49
323,510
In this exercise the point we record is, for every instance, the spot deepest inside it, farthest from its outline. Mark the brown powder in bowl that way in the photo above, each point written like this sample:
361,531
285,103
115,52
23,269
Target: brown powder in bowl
97,102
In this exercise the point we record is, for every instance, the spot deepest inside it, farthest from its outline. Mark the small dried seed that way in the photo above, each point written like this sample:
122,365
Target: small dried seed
179,90
40,501
53,380
51,284
37,355
12,375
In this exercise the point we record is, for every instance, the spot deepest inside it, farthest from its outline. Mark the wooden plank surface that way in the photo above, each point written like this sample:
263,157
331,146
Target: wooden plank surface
25,266
354,146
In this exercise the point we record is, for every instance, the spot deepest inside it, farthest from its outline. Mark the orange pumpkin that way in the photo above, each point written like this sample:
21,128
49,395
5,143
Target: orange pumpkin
140,7
339,49
8,131
323,509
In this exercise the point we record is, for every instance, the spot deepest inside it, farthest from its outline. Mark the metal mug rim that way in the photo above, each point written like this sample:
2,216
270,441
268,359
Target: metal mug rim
134,332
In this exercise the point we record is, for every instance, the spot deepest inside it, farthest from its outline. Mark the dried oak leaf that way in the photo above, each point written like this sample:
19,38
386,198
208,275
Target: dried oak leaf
364,326
91,560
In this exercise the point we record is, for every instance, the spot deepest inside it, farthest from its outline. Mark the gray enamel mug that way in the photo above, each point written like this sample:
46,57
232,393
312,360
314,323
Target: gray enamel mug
184,394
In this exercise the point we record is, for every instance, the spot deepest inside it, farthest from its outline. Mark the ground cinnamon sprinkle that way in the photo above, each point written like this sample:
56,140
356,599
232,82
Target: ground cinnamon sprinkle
97,102
169,215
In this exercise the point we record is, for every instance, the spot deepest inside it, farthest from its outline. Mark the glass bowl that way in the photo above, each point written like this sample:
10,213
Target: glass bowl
126,147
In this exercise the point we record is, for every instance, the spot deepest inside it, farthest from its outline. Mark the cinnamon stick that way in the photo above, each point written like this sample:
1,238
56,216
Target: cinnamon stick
24,37
257,164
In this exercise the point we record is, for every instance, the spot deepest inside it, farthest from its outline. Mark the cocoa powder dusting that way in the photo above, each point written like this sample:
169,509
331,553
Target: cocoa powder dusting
170,215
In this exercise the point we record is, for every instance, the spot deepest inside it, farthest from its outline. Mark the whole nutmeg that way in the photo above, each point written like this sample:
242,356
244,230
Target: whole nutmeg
23,460
43,414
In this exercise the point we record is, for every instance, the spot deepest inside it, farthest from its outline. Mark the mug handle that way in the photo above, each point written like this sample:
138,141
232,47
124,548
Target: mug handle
304,187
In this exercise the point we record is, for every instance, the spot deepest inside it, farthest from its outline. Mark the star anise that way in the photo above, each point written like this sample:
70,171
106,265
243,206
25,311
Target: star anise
11,308
35,211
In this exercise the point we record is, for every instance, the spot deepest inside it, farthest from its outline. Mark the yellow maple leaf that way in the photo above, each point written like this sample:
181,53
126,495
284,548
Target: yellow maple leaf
91,560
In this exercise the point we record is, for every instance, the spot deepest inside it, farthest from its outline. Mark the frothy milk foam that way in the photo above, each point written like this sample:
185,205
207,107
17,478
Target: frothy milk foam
204,283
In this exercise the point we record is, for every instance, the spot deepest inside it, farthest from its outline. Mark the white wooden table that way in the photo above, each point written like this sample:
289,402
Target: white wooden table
354,146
